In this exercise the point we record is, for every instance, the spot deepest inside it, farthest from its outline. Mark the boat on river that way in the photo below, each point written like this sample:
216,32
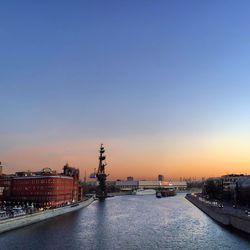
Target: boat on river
158,194
165,192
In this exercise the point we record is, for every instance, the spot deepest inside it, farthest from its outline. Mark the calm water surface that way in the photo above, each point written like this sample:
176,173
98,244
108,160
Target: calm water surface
128,222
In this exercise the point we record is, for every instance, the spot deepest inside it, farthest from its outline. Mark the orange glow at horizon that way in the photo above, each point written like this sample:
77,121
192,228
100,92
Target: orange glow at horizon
142,158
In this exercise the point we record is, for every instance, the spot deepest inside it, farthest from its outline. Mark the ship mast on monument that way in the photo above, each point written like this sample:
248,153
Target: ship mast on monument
101,176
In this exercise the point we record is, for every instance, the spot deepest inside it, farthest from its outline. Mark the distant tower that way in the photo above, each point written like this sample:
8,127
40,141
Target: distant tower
160,177
85,177
130,178
101,176
1,169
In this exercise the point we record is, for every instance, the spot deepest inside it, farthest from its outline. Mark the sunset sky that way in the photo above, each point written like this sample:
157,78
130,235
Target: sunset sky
165,85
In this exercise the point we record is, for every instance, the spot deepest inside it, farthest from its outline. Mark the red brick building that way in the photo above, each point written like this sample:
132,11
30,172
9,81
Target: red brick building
44,188
5,185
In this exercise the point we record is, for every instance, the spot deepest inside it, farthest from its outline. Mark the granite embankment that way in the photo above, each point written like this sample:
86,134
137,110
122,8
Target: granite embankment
13,223
226,215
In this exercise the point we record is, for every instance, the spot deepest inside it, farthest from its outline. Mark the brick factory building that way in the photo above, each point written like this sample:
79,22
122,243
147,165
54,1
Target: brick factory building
45,188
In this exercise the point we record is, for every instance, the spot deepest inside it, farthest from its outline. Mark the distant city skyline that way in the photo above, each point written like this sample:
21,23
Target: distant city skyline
164,85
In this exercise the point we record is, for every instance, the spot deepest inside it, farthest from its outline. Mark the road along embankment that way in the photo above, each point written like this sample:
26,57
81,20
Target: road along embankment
13,223
226,216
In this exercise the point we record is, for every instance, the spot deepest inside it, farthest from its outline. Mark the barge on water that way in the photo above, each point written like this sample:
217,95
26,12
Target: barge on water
226,215
166,192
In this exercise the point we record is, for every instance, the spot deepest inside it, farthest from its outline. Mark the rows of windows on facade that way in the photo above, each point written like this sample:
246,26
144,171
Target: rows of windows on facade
43,188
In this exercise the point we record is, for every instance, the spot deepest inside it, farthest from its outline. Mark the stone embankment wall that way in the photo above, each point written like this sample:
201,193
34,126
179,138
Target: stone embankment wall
214,213
226,216
13,223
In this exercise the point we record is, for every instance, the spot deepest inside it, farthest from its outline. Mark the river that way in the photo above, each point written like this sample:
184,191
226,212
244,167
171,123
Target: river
128,222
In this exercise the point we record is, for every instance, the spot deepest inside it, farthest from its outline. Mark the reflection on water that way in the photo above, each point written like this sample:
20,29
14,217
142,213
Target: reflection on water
128,222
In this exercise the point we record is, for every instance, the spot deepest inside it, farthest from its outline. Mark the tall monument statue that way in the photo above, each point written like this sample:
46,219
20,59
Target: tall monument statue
101,175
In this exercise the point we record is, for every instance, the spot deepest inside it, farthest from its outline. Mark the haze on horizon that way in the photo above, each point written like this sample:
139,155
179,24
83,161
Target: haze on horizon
163,84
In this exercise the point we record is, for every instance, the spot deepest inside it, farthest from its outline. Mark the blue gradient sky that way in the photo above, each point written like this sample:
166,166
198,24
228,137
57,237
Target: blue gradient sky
164,84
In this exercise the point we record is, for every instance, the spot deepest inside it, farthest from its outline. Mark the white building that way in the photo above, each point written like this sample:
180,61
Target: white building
132,185
126,185
179,185
154,184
